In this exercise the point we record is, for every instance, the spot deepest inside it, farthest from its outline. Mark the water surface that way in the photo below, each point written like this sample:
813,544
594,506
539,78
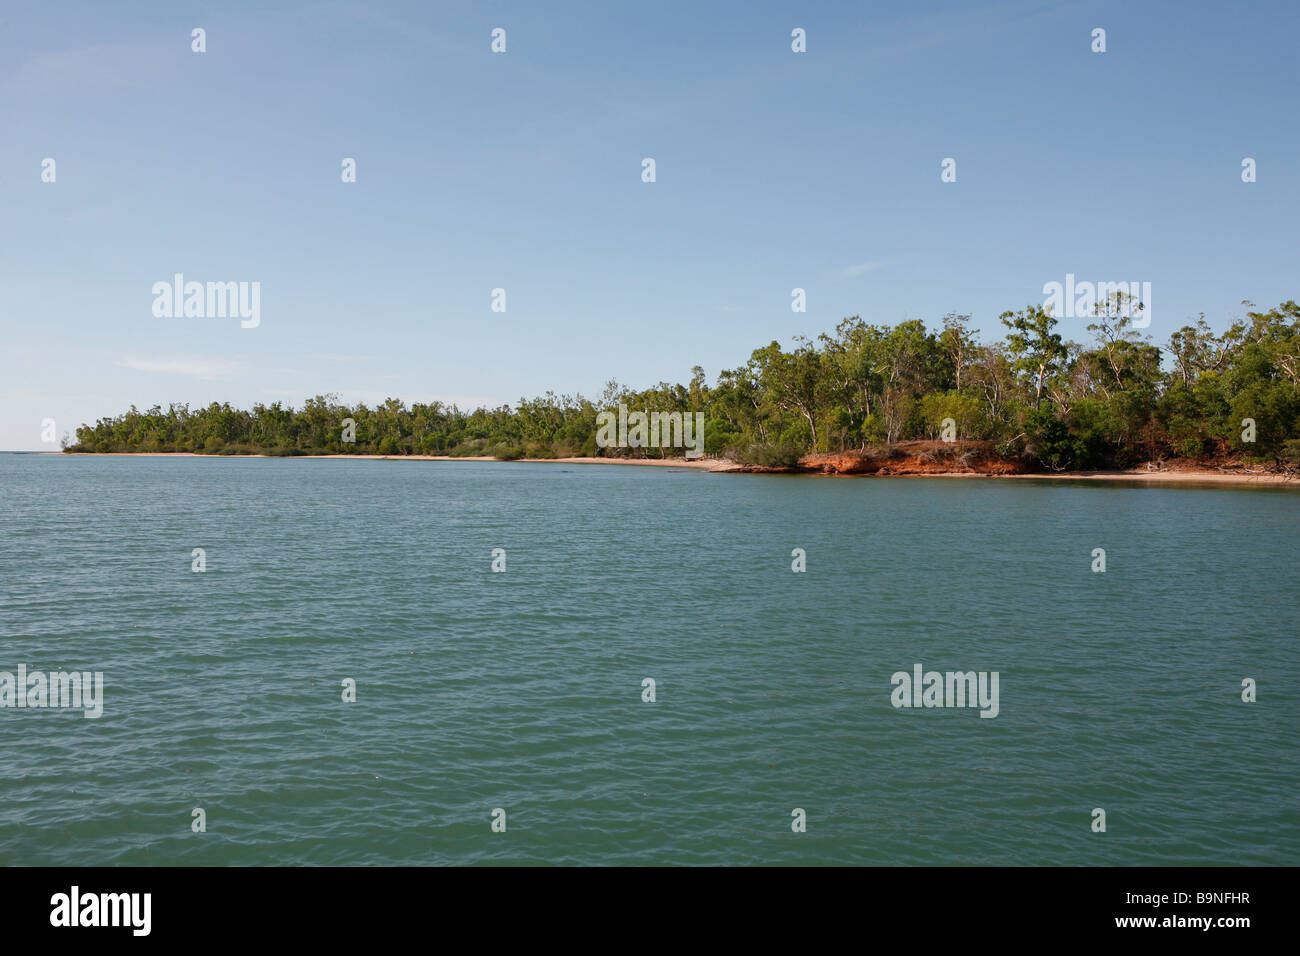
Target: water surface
522,690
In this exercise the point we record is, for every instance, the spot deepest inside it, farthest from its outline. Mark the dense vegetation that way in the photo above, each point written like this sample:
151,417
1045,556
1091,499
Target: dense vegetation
1111,402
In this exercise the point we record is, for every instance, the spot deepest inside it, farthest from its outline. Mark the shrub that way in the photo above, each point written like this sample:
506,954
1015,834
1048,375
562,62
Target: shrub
767,455
538,449
470,449
1052,444
506,452
966,412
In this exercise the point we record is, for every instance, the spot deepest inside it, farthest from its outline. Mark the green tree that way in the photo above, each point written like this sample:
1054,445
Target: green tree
1037,349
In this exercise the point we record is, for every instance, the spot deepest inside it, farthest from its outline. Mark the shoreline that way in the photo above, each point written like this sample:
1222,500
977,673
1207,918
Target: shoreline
726,466
702,464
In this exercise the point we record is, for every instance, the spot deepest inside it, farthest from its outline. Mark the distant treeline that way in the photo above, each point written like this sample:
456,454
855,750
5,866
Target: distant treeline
1107,403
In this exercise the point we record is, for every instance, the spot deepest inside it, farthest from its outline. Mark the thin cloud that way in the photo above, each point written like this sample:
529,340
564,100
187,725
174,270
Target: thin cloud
84,70
205,369
864,267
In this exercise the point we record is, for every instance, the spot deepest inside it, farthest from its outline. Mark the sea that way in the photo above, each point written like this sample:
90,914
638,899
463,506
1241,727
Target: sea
401,662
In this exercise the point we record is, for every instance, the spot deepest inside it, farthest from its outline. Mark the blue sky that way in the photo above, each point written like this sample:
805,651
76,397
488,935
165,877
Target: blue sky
522,171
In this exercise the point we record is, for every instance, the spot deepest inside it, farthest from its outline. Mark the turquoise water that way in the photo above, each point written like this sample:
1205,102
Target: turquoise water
522,690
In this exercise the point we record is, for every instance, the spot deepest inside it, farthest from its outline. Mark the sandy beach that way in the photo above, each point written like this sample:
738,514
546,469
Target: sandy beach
723,465
703,464
1170,477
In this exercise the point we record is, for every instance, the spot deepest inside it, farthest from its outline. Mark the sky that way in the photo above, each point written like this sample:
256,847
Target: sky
522,171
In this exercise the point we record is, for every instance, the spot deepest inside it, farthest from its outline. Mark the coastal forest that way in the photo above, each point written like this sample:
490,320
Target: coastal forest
1110,402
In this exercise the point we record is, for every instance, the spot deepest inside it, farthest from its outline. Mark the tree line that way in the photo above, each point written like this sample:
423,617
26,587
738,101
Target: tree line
1113,401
